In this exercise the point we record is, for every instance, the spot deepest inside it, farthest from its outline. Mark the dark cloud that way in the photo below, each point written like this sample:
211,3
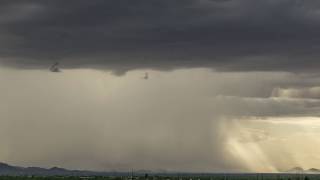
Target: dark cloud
229,35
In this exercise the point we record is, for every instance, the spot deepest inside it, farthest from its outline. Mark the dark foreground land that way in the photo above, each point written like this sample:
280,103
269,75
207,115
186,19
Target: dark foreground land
176,177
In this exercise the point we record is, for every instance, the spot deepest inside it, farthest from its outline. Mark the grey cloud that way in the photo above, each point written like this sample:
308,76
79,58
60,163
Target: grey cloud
124,35
266,107
305,92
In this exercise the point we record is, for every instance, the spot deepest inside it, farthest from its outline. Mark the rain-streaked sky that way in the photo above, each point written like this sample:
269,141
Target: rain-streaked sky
231,86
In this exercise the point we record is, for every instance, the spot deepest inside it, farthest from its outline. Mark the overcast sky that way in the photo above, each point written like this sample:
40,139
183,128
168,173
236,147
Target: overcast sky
233,85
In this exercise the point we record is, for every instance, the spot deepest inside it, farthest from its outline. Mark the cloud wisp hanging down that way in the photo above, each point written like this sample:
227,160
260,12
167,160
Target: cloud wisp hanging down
227,35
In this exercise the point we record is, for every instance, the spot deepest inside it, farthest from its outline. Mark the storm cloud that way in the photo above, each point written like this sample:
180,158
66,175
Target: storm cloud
226,35
232,85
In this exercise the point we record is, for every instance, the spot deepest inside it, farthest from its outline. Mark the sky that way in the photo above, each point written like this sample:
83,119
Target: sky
232,86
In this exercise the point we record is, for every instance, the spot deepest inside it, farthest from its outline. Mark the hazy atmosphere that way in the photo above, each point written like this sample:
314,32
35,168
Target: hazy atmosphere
190,85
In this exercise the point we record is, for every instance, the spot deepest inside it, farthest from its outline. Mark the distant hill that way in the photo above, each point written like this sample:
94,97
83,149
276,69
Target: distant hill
295,170
313,170
301,170
6,169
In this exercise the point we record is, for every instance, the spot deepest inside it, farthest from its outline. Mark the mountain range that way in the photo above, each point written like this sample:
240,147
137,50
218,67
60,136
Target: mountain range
6,169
